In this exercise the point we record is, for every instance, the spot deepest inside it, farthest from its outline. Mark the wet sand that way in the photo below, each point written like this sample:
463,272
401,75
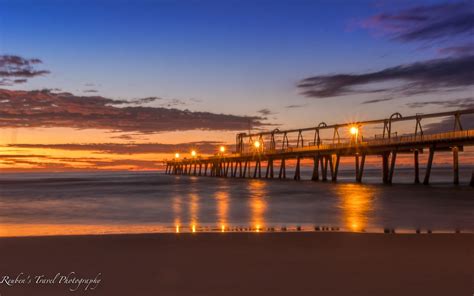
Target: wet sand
246,264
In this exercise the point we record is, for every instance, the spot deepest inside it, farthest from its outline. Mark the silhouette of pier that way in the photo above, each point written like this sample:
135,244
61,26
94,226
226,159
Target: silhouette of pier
326,144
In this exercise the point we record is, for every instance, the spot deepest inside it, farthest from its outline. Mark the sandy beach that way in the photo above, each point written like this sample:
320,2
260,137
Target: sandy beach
243,264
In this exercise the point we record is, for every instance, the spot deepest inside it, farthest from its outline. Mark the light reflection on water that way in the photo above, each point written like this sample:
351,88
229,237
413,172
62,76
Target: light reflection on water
356,204
194,210
257,203
222,200
148,202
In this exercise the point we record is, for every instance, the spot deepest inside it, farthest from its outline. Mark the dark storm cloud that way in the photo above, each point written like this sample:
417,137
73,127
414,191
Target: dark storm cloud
418,77
15,69
425,22
47,109
207,147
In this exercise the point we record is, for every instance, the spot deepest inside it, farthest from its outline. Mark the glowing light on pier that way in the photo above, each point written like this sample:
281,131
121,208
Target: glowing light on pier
222,149
222,228
354,130
176,155
256,144
193,153
177,228
193,228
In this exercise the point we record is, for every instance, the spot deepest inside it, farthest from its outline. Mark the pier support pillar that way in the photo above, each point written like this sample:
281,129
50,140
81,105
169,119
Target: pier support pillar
385,167
245,169
417,166
282,174
297,169
269,172
315,176
336,168
357,166
472,179
392,166
258,169
456,165
324,168
361,168
331,166
226,168
234,170
426,181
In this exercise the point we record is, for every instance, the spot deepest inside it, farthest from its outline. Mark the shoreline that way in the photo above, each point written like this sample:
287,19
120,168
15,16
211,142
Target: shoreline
52,230
243,263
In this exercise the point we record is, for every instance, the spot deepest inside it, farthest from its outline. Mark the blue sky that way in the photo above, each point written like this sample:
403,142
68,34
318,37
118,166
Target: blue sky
223,53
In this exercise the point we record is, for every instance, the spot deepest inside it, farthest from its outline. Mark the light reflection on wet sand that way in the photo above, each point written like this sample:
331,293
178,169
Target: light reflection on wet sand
13,230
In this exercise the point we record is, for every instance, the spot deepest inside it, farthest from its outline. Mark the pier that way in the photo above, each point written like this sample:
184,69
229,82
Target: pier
265,154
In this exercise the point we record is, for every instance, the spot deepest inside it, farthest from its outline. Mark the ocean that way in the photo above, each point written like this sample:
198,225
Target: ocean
137,202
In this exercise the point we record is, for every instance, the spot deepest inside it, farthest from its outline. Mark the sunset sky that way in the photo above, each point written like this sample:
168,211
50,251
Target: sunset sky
121,85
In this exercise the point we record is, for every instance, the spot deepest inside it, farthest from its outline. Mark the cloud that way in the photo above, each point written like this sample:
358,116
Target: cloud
206,147
46,163
101,152
420,77
146,100
173,103
15,69
461,50
447,124
265,112
377,101
294,106
47,109
423,23
90,91
454,103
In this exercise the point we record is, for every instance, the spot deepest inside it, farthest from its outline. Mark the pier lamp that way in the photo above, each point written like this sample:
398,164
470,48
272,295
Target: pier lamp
256,144
354,130
222,149
176,155
193,153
